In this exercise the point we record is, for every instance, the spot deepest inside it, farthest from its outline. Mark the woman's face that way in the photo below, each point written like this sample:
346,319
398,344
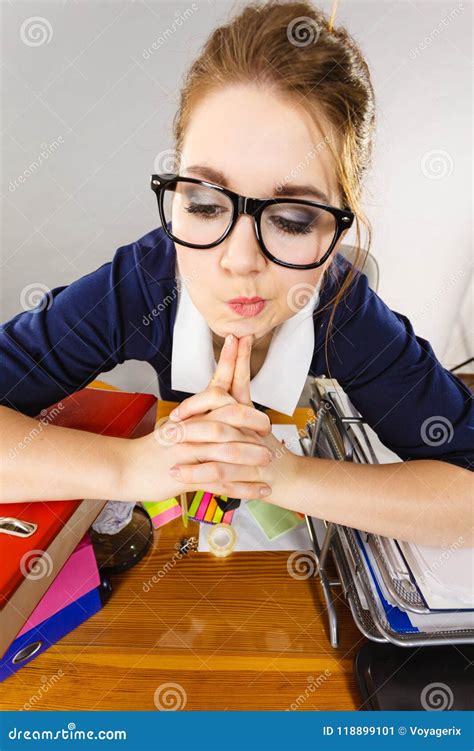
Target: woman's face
251,142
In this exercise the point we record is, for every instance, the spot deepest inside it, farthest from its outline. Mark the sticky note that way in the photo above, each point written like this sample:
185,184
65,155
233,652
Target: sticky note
195,503
154,508
273,520
211,510
204,508
200,513
166,516
162,512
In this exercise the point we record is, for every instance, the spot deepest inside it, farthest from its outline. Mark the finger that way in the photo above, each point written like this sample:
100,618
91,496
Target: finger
212,398
216,472
199,430
244,417
233,452
225,367
240,389
247,491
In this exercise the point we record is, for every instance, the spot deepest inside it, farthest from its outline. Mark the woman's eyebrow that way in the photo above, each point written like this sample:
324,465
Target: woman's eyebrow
299,190
287,191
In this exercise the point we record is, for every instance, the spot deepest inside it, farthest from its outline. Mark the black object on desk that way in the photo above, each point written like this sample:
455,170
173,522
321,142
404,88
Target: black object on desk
415,678
227,505
119,552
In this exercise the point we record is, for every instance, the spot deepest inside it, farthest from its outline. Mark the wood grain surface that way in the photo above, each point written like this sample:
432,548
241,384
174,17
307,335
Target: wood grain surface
201,632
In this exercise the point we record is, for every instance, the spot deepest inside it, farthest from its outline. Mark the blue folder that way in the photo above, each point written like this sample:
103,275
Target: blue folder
398,619
35,641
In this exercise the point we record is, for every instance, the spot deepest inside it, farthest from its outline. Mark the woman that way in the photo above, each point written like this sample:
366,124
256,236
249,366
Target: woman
279,105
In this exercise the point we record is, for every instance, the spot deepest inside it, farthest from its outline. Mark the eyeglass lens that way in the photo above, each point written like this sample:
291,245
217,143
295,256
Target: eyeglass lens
293,233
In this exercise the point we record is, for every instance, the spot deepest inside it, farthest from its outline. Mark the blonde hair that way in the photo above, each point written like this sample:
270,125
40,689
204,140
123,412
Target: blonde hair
295,50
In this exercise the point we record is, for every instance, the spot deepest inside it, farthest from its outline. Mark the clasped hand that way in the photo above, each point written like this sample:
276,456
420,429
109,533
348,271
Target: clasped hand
215,441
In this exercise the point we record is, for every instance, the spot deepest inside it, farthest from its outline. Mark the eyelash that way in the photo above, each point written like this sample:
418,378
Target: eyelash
287,226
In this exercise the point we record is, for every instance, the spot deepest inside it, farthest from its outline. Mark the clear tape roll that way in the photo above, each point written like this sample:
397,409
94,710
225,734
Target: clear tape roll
222,539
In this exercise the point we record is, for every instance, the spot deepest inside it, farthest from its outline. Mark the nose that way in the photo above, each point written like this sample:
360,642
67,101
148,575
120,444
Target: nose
241,253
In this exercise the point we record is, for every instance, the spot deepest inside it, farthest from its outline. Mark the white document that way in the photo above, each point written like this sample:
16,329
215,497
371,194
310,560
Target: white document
251,537
443,575
249,534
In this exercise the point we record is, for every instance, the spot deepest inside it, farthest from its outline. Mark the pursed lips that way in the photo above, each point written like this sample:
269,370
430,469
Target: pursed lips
247,306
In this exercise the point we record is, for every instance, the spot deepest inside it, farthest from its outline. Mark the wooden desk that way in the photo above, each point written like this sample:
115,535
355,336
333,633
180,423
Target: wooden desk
235,633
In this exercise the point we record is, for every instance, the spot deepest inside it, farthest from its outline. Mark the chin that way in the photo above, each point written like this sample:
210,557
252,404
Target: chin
244,327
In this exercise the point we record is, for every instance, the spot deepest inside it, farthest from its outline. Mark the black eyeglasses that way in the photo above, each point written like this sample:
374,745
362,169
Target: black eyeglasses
298,234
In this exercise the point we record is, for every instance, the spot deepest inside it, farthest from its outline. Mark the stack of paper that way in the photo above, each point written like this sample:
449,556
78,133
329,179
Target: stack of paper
436,580
438,618
443,575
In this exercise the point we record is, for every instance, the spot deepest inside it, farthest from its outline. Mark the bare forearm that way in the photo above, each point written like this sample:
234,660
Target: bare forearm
45,462
425,501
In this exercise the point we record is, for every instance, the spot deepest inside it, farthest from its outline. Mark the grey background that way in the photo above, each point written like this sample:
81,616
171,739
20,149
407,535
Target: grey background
98,100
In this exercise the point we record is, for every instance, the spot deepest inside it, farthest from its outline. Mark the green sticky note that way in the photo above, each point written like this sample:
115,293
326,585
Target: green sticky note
273,520
157,507
195,502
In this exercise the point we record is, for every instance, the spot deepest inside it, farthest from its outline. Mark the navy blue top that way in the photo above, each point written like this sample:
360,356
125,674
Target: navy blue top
126,309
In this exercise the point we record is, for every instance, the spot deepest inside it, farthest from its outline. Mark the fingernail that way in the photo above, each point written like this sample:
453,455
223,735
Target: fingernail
174,415
228,340
265,491
270,455
175,471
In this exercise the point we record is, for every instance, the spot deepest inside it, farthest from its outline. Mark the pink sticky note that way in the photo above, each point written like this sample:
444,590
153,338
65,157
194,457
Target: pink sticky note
203,506
77,577
166,516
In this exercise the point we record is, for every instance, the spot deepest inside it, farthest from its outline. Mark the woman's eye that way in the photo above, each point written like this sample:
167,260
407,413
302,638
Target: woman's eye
205,210
292,227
